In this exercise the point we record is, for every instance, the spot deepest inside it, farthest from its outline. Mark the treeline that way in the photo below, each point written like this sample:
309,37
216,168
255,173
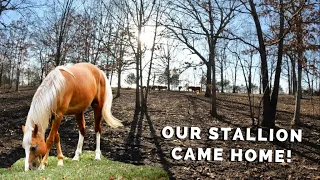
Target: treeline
223,41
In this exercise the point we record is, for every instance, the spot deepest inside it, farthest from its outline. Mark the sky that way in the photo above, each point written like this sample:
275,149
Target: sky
191,76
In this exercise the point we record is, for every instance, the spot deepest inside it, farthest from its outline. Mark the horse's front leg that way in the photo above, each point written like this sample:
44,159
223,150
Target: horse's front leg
50,140
59,151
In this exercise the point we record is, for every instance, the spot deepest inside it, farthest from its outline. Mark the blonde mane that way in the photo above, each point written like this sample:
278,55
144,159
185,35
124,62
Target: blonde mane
44,102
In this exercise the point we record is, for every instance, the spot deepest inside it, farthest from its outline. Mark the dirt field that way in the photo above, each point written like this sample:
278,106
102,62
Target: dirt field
140,141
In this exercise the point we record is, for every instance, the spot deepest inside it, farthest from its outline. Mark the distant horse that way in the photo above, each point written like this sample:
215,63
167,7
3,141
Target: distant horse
194,89
66,91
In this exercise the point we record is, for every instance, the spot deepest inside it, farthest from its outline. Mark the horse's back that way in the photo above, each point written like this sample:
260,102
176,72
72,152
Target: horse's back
82,86
84,76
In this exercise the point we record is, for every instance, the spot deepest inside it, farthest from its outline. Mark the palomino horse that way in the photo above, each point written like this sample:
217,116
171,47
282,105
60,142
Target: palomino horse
66,91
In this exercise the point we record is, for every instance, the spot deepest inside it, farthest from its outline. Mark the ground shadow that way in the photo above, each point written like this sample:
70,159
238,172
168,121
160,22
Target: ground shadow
156,140
132,152
133,146
304,148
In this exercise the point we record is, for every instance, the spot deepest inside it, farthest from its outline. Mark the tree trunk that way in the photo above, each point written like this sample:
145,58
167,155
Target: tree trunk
309,82
249,95
41,76
168,73
119,82
151,58
296,117
235,78
275,92
138,59
319,81
18,76
212,45
28,76
260,82
108,44
111,75
289,76
11,78
266,116
250,74
249,82
208,87
221,76
1,72
143,102
214,93
58,52
154,79
294,75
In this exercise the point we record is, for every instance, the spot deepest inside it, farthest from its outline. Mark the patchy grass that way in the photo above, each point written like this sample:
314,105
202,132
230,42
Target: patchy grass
86,168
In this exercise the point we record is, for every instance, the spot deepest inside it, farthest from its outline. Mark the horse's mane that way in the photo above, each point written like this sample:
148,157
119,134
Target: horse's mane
44,102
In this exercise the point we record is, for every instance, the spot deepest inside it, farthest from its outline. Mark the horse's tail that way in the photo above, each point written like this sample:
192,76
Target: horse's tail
106,110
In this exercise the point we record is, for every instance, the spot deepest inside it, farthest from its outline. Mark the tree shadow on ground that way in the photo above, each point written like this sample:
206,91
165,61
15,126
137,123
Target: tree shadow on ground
133,146
305,148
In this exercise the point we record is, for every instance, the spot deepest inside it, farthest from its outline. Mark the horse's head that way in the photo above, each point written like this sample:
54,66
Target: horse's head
34,145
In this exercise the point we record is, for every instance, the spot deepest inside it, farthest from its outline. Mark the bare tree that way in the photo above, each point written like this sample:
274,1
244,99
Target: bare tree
62,21
303,29
22,7
139,12
270,98
153,48
167,55
222,63
193,21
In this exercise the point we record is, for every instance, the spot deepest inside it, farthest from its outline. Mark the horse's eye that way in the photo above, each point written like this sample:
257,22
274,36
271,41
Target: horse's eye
33,148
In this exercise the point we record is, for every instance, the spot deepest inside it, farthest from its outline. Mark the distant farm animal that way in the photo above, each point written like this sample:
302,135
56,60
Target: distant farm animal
158,87
194,89
307,92
162,87
66,91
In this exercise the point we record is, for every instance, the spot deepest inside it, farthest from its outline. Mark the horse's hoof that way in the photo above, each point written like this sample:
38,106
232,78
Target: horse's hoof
97,157
75,158
41,167
60,162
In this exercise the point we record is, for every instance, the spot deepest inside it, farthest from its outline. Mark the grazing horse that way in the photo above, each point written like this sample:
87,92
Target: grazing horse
66,91
194,89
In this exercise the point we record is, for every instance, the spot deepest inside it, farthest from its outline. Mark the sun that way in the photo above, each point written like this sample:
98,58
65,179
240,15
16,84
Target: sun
147,36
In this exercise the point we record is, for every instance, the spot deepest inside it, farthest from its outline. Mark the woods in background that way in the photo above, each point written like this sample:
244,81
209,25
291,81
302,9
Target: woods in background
157,41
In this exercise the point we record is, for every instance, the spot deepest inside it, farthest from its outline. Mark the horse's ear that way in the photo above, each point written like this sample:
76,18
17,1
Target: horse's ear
35,130
23,129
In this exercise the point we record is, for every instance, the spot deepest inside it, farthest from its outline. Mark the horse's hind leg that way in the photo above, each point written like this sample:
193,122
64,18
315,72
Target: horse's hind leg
59,151
98,129
81,126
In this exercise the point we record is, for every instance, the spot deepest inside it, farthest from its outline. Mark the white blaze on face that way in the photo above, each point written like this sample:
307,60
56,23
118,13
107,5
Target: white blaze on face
26,145
26,161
